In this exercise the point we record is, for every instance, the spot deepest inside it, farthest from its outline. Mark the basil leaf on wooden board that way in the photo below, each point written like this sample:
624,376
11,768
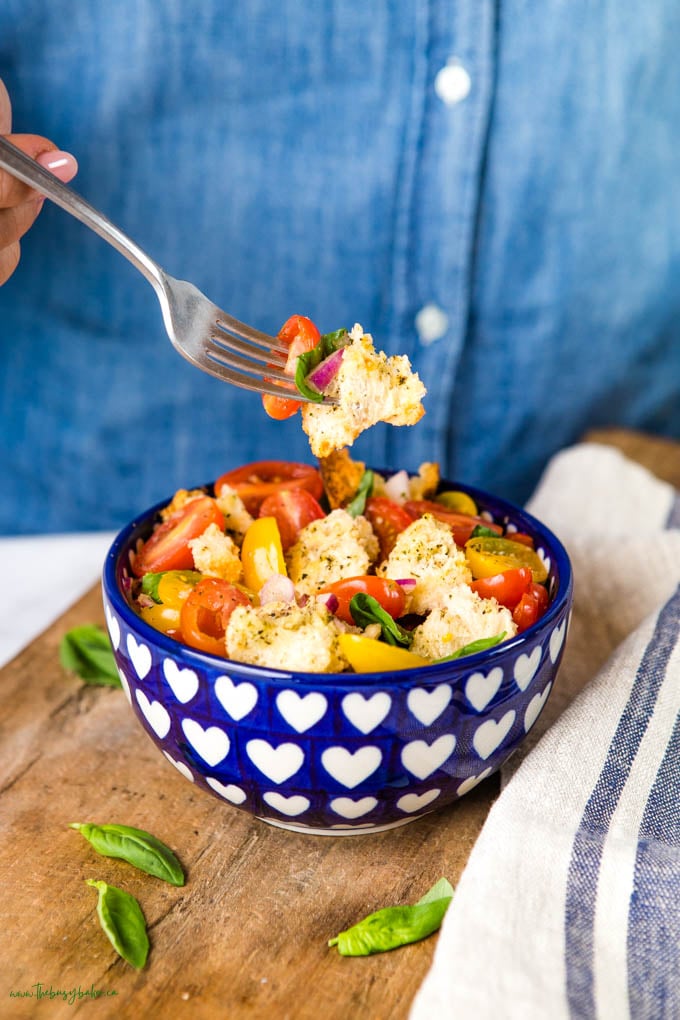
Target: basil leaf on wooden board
122,920
366,610
137,847
364,490
86,651
392,927
480,645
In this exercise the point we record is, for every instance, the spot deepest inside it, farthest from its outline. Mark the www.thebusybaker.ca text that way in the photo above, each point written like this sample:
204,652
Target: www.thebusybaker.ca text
70,995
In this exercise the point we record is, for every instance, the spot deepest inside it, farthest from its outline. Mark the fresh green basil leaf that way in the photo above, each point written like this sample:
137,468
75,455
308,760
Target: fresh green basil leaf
122,920
86,651
150,585
366,610
479,531
364,490
330,342
135,846
392,927
480,645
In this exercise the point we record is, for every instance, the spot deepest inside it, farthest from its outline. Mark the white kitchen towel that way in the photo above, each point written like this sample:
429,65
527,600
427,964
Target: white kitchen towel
569,906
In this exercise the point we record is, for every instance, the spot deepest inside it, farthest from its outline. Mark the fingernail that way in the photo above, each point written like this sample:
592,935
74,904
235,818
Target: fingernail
62,164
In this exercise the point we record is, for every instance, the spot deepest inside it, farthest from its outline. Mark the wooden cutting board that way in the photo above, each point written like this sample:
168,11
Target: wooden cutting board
247,935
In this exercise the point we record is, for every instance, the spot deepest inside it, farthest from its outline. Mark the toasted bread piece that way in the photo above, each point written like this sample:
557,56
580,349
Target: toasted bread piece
424,484
341,476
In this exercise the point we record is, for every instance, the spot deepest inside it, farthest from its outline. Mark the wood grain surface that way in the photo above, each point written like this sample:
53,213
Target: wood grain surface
247,935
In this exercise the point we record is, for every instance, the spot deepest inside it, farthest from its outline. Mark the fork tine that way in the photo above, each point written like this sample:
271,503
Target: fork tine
233,327
215,365
253,354
216,352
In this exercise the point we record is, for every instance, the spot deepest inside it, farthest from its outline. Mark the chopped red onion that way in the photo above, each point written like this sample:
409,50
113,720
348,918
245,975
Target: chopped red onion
329,600
407,583
324,373
277,588
397,488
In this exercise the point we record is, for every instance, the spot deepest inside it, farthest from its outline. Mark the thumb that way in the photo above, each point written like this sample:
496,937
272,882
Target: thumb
62,164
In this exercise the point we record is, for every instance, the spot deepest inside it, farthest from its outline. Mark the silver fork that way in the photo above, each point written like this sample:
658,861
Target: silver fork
205,335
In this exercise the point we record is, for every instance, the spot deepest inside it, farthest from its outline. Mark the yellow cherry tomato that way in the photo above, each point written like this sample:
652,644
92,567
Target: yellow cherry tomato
488,556
366,655
262,553
458,501
173,589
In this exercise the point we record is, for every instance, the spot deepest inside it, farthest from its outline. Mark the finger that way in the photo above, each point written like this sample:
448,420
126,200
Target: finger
62,164
5,110
9,260
15,222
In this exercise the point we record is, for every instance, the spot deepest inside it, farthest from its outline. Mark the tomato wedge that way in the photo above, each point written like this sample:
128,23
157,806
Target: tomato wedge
168,546
462,525
293,509
205,614
388,519
488,556
301,335
530,607
254,482
262,553
388,593
507,587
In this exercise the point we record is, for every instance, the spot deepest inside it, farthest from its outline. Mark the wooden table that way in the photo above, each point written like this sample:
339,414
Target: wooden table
246,936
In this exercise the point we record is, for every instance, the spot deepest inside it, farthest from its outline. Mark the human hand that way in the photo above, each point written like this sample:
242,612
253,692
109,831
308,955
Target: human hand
19,204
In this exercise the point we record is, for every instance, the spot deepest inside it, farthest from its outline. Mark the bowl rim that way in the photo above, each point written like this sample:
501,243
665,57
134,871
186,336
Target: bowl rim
434,673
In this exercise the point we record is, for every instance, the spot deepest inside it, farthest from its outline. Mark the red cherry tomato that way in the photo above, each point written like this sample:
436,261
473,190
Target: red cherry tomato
462,525
254,482
293,510
530,607
168,546
388,593
301,335
507,588
388,519
205,614
522,538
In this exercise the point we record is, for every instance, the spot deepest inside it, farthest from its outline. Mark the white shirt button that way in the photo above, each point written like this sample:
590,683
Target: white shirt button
452,82
432,323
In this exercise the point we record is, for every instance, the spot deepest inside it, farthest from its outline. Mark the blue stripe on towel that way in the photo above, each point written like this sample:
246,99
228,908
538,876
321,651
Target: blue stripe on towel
673,520
654,920
589,840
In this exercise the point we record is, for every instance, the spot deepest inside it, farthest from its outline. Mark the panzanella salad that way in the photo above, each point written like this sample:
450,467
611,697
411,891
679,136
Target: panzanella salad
334,568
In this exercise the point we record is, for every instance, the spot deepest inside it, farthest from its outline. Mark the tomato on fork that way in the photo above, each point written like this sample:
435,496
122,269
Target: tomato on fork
301,335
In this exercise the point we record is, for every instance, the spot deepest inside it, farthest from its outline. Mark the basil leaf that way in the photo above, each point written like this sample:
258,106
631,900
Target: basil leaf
479,531
135,846
308,361
364,490
392,927
122,920
86,651
150,584
480,645
366,610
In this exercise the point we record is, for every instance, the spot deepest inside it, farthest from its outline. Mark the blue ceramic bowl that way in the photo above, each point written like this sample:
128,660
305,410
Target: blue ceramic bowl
343,753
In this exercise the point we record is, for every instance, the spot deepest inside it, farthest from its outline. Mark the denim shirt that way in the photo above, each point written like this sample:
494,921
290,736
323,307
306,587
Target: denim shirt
491,188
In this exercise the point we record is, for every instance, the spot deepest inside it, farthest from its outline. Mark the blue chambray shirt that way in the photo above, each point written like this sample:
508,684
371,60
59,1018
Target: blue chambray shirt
491,188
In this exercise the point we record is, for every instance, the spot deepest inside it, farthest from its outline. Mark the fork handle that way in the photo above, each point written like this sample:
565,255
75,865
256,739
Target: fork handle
25,169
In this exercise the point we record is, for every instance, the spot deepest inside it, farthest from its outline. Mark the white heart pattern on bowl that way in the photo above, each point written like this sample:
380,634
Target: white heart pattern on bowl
349,768
181,767
411,802
183,682
114,627
301,711
292,806
472,781
427,706
212,743
535,707
366,713
481,688
422,759
140,656
124,683
492,733
155,714
238,700
525,668
556,639
348,808
277,763
230,792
